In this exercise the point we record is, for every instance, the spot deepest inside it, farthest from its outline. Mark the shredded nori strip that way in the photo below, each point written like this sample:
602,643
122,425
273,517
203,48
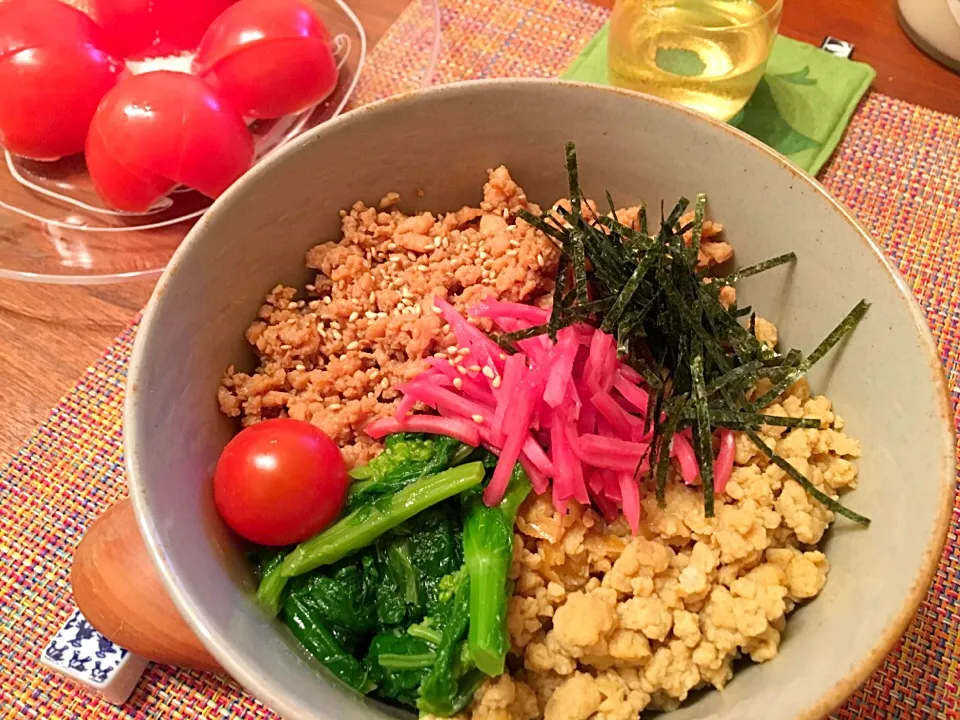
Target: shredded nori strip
838,333
734,419
612,316
697,229
700,358
811,489
702,433
760,267
556,312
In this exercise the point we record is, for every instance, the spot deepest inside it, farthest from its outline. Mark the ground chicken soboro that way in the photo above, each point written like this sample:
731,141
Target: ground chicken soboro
367,324
604,625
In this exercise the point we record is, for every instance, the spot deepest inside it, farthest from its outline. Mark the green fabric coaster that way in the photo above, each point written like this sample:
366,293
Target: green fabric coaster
800,108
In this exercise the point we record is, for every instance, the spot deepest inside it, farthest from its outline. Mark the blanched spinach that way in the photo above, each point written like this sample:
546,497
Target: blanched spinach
398,663
394,616
453,678
308,628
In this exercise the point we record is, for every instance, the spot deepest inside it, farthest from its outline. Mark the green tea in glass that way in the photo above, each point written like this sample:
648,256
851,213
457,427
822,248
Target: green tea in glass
705,54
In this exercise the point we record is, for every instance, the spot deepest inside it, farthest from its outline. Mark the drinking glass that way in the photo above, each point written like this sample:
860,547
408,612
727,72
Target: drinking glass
706,54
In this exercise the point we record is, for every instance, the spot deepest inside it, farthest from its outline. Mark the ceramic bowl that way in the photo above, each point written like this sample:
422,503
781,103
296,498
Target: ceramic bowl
886,380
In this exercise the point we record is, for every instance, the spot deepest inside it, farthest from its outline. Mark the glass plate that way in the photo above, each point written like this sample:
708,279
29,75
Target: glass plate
54,229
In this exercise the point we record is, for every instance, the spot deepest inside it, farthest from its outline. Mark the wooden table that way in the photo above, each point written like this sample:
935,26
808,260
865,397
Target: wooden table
49,334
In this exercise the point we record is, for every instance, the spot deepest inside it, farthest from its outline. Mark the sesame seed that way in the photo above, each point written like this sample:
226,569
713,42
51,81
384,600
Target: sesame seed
422,268
458,383
474,368
314,304
511,227
452,349
381,314
373,297
334,406
335,325
463,351
370,315
326,300
496,381
292,306
385,383
482,255
512,253
436,310
353,345
440,355
488,372
336,335
415,309
311,287
446,327
514,242
391,246
445,243
284,347
373,373
503,356
478,419
540,260
411,256
322,332
437,241
301,367
506,213
485,274
353,316
461,369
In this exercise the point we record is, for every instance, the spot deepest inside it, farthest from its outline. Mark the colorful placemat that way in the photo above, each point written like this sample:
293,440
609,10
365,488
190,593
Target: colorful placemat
898,168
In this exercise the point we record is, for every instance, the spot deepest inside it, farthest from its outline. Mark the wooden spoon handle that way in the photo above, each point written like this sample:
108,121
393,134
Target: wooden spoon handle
118,590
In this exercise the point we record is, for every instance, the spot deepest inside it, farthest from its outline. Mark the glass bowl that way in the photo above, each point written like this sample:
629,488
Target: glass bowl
54,229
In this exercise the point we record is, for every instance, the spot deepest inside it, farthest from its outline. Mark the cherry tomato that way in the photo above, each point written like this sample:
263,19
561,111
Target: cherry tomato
280,482
154,28
54,69
268,57
160,129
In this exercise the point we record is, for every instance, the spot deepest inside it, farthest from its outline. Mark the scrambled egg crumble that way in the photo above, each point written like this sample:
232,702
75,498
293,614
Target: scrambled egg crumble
604,625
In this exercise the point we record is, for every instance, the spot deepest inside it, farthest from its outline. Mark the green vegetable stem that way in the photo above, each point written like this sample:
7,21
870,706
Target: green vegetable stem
270,591
364,525
406,457
487,552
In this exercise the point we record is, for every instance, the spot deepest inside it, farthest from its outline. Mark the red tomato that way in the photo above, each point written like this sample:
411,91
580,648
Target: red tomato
53,72
280,482
154,28
268,57
160,129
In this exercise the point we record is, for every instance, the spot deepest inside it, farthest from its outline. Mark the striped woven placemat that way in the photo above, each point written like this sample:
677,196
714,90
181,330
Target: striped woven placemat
898,169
